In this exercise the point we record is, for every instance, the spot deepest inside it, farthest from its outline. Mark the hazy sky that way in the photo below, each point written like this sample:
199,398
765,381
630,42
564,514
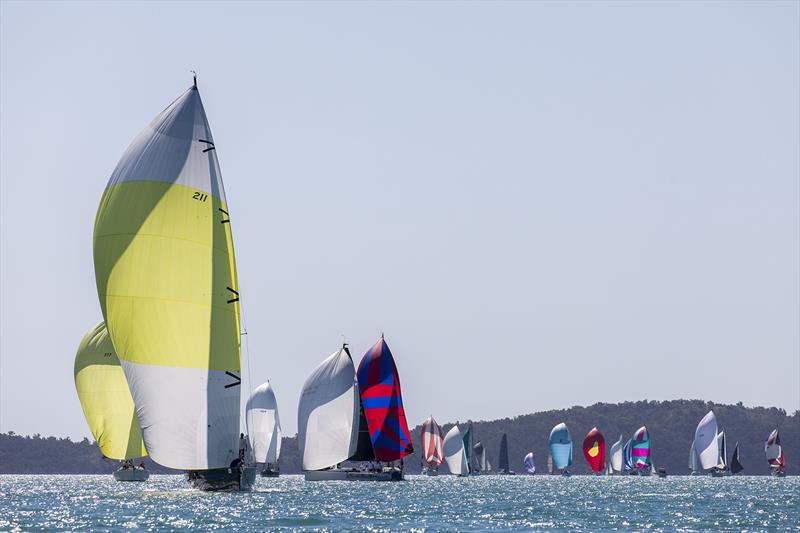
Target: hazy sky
541,204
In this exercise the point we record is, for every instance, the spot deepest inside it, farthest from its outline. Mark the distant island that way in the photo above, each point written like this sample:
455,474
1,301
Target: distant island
671,425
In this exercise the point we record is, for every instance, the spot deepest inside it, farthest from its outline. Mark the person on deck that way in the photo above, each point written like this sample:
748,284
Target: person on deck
242,446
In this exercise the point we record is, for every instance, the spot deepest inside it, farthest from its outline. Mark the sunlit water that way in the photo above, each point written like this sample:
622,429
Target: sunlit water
165,503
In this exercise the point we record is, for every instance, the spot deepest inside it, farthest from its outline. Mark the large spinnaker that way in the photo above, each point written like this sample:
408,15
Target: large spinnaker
264,424
432,438
594,450
105,398
328,412
640,449
705,442
560,446
379,386
166,279
454,454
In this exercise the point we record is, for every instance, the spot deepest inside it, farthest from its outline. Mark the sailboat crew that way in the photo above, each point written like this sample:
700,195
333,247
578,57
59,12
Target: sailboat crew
242,447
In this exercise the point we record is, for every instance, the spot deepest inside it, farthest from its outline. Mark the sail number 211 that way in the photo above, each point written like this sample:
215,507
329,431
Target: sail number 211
200,196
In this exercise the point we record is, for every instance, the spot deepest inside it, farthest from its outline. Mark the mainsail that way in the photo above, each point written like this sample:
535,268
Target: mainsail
467,437
594,450
379,385
735,465
264,424
723,450
561,446
774,452
432,442
502,461
454,454
105,397
616,456
529,463
328,413
705,442
166,279
640,448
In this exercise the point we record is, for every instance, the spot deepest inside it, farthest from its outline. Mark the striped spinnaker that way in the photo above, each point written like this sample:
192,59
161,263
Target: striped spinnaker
640,448
432,438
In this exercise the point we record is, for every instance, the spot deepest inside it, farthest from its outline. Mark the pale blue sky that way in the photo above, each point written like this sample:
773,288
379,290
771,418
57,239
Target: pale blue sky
540,204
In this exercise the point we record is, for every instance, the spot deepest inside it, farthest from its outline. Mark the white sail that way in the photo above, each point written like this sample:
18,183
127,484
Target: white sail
722,449
327,416
705,442
454,454
694,464
264,424
615,461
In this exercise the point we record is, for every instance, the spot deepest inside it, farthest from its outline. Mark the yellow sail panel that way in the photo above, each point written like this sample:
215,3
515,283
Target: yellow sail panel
105,398
166,279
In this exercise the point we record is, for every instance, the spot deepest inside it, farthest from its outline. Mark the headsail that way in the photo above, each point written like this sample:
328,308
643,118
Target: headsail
467,437
616,456
723,450
166,278
105,397
774,452
735,465
627,456
502,461
327,415
432,439
264,424
640,449
694,462
705,442
454,452
561,446
594,450
379,385
529,463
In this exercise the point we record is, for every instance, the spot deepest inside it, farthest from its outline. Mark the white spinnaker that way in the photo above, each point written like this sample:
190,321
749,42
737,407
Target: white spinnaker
264,424
327,416
705,442
454,454
616,456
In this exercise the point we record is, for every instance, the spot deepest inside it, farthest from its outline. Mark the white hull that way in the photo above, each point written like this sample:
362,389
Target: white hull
342,474
131,474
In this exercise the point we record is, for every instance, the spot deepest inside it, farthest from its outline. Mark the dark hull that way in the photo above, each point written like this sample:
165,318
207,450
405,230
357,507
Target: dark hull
269,472
223,479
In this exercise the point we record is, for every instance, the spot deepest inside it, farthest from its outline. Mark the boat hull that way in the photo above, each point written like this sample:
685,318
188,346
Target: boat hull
131,474
223,479
779,474
343,474
269,472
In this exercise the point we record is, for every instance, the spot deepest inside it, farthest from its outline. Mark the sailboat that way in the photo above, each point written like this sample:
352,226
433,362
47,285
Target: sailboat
627,457
529,463
594,450
640,451
331,425
264,429
721,468
432,451
560,444
107,403
480,465
615,453
706,445
167,284
454,454
549,464
775,456
694,461
735,464
502,463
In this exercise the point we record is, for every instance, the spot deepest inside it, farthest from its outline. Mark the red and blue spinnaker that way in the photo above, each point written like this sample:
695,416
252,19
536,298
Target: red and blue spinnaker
379,385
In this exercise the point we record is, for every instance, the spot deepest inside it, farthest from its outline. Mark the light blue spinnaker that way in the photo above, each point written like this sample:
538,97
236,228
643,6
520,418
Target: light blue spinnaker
561,446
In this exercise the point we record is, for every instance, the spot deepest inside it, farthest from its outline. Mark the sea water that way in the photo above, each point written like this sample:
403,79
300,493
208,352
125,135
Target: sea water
445,503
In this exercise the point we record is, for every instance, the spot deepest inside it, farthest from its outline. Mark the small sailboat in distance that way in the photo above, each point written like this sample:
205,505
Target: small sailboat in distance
627,457
264,428
502,465
640,451
594,450
467,437
550,464
432,451
616,457
560,443
168,289
721,468
706,446
107,403
694,462
529,463
775,456
735,464
480,464
454,454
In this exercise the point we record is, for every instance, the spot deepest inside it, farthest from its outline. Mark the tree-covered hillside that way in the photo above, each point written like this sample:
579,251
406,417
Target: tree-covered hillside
671,425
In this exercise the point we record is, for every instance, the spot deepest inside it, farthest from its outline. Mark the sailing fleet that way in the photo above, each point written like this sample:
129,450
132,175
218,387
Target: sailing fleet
160,375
